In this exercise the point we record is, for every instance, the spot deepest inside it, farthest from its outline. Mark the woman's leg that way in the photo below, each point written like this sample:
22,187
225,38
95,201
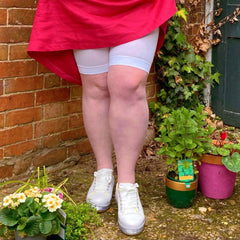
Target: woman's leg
95,113
128,117
93,66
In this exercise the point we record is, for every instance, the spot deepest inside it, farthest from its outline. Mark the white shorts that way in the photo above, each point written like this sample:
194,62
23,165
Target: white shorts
138,53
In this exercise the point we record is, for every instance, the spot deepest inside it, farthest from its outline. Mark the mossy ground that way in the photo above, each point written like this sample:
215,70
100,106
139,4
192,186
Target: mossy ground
221,221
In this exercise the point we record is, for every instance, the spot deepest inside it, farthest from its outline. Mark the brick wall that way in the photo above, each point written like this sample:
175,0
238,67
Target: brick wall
196,14
40,114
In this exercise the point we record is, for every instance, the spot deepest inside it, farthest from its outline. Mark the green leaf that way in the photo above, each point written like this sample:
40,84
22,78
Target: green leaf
55,226
232,163
8,217
32,226
48,215
45,227
223,152
179,148
22,223
187,68
182,13
33,207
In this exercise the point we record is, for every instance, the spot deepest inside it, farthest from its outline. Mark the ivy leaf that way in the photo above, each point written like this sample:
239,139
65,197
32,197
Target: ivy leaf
215,77
182,13
187,68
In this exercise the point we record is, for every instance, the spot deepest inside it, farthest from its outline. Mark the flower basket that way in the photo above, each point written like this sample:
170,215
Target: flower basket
34,210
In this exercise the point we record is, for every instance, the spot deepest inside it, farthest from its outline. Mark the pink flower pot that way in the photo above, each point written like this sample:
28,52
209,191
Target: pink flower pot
215,180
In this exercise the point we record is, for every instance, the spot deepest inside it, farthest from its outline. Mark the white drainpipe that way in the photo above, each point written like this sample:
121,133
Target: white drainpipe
208,18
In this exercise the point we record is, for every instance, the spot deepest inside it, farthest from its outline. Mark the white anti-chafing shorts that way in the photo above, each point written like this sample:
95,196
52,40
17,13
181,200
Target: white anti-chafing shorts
138,53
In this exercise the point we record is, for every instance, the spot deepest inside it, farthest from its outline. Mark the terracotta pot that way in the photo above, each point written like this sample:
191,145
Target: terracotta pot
180,194
215,180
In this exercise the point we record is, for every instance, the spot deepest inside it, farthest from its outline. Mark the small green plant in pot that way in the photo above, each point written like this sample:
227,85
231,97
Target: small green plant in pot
184,138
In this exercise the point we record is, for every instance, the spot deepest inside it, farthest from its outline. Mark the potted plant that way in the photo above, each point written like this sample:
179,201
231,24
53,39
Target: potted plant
184,139
37,210
33,211
219,167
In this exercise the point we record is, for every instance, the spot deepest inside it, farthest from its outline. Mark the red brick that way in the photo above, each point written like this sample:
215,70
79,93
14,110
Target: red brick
74,134
72,107
20,148
52,80
17,68
3,52
3,16
76,121
14,135
50,158
53,95
23,116
22,165
16,101
53,110
1,153
6,171
51,126
83,147
1,87
2,120
51,141
17,3
18,52
150,91
151,78
23,84
21,16
76,92
15,34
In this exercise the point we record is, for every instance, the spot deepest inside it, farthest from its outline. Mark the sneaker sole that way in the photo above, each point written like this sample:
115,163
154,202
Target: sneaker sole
131,231
99,208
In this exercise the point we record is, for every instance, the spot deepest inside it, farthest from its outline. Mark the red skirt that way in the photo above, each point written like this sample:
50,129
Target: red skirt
62,25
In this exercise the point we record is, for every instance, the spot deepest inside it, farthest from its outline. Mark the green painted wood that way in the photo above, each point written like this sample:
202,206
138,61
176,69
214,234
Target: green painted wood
226,58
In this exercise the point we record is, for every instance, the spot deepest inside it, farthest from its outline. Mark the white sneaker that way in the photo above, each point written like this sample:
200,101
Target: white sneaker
100,192
131,217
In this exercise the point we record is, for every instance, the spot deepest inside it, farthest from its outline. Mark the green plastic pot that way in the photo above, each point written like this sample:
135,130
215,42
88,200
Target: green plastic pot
180,194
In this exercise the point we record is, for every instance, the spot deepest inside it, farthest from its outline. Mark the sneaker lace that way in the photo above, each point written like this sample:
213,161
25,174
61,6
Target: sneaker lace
102,181
129,202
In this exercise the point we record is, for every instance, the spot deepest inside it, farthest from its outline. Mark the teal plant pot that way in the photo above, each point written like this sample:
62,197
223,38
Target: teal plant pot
180,194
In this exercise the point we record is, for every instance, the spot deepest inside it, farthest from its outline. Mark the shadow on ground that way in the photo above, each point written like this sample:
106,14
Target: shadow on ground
221,221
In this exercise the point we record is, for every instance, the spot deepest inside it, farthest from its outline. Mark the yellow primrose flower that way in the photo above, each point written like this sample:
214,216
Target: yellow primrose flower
21,197
52,208
7,201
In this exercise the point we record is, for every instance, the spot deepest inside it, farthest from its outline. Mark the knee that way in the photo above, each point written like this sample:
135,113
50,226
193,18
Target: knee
127,83
129,89
95,86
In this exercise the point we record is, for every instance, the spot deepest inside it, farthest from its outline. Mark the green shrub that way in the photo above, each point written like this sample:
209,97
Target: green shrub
80,219
182,75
